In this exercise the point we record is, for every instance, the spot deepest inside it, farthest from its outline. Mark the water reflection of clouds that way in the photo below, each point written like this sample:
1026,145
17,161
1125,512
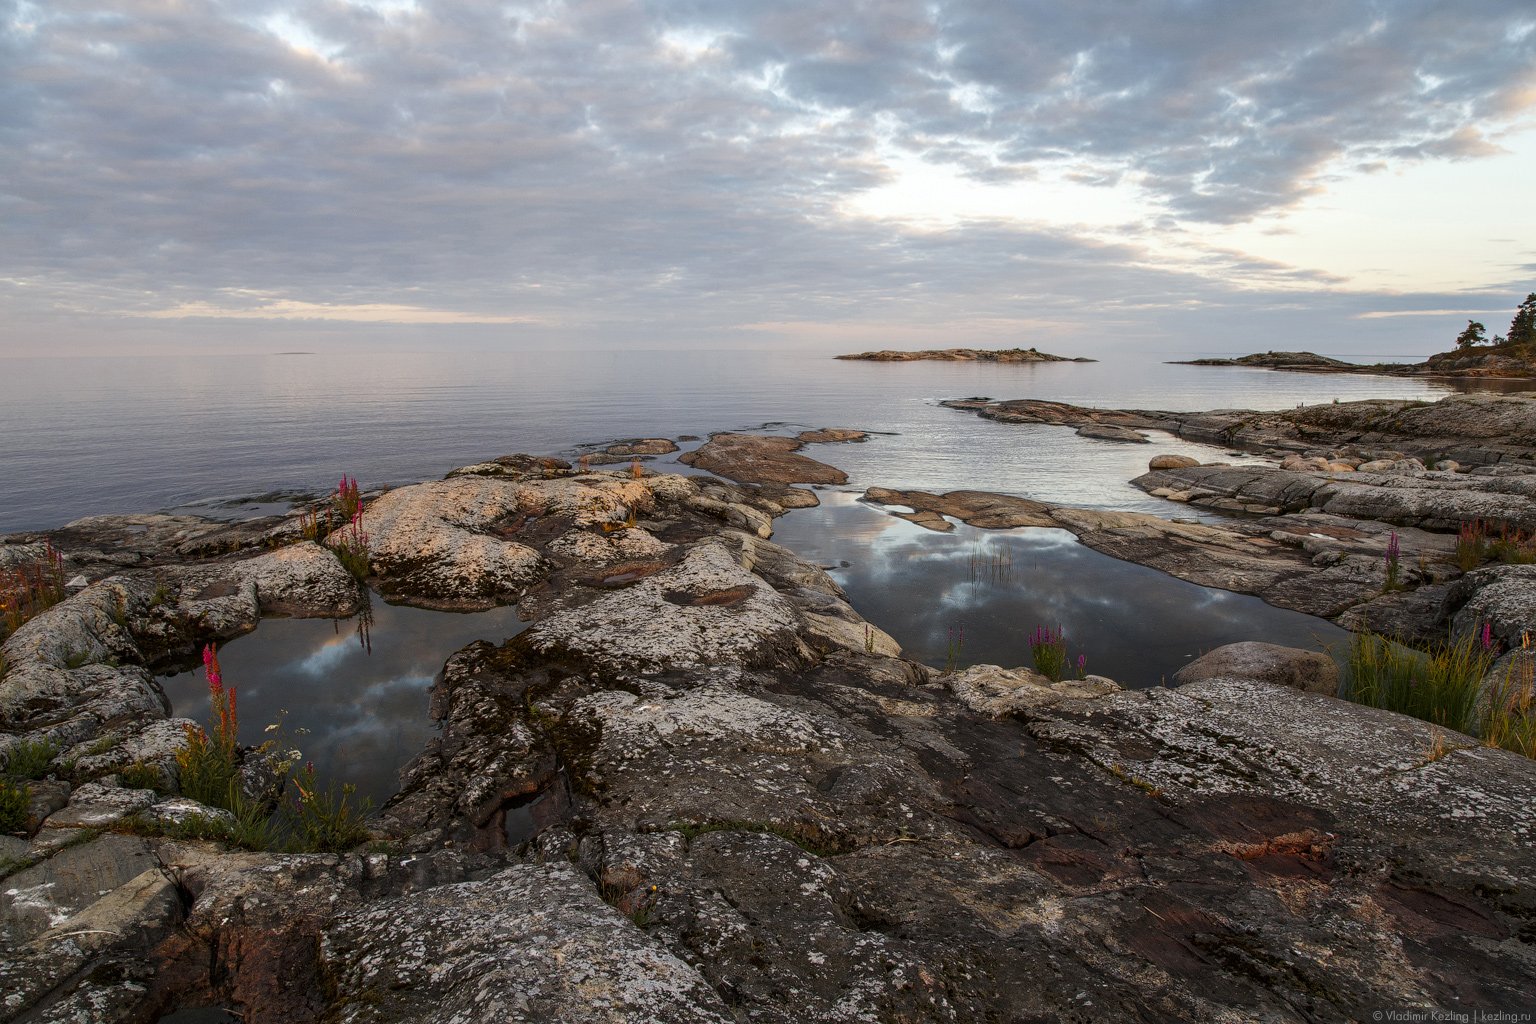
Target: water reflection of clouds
1134,623
324,660
364,714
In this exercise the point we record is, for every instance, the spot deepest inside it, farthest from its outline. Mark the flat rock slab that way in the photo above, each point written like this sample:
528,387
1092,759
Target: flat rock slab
1428,500
1474,430
761,459
37,898
532,945
832,435
1109,432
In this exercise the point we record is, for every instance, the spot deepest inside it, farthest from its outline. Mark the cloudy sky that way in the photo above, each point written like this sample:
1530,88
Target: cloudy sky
1086,176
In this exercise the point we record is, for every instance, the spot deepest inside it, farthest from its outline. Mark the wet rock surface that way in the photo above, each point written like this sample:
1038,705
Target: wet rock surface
762,459
1472,430
700,788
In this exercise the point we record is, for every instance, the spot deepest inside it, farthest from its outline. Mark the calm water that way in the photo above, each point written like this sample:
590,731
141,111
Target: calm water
977,595
364,707
131,435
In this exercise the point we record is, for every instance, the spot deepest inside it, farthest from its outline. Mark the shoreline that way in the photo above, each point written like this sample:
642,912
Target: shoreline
699,757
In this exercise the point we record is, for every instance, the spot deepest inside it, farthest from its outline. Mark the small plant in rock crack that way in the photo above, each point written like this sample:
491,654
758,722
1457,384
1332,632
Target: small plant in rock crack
869,639
326,821
30,588
15,804
348,499
351,547
1394,565
207,762
30,759
953,648
1048,650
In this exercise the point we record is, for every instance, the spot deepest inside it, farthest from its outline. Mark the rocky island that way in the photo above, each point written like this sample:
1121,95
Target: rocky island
965,355
700,788
1476,362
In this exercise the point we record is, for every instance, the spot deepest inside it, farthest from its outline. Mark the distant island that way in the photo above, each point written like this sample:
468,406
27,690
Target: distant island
966,355
1501,361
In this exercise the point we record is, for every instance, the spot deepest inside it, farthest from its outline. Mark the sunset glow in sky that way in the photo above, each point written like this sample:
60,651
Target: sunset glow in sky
1174,176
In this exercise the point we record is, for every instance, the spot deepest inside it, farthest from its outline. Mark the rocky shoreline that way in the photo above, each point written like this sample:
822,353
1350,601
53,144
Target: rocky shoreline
700,788
1461,363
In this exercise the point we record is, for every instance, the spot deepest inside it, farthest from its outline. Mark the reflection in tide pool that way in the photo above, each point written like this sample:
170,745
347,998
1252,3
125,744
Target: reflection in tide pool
1136,625
362,697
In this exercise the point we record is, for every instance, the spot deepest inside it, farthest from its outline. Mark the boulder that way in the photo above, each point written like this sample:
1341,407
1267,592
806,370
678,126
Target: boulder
995,692
1266,663
1171,462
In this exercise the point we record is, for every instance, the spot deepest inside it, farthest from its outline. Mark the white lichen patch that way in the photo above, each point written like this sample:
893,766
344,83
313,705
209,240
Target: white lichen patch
627,543
668,621
300,579
531,944
632,726
1232,735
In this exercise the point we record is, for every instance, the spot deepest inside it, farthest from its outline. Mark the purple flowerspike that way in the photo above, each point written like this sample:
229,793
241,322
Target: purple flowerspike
1487,635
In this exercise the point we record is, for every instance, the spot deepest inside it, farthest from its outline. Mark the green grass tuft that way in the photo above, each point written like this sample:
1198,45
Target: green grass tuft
1439,685
30,759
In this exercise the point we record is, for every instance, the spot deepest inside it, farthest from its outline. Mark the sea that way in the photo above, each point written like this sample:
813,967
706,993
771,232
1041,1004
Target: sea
85,436
233,436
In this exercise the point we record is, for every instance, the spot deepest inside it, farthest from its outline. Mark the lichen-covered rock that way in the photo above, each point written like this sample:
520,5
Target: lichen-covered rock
1269,663
706,610
531,945
995,691
1501,596
94,805
450,543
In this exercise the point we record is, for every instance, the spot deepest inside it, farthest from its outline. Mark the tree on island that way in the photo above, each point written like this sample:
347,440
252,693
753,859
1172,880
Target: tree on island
1522,330
1473,335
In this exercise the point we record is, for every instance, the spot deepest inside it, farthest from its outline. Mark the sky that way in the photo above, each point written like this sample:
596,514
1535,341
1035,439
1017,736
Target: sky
1083,176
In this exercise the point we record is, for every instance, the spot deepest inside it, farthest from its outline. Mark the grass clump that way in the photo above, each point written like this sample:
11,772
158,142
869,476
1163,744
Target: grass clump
15,804
1477,542
1048,650
30,588
1439,685
141,775
351,548
30,759
325,820
1509,718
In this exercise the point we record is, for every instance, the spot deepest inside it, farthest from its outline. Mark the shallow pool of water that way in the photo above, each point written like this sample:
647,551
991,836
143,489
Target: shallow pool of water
975,596
359,688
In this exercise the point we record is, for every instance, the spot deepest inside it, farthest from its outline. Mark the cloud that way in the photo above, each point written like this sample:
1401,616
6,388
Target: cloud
285,309
686,167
